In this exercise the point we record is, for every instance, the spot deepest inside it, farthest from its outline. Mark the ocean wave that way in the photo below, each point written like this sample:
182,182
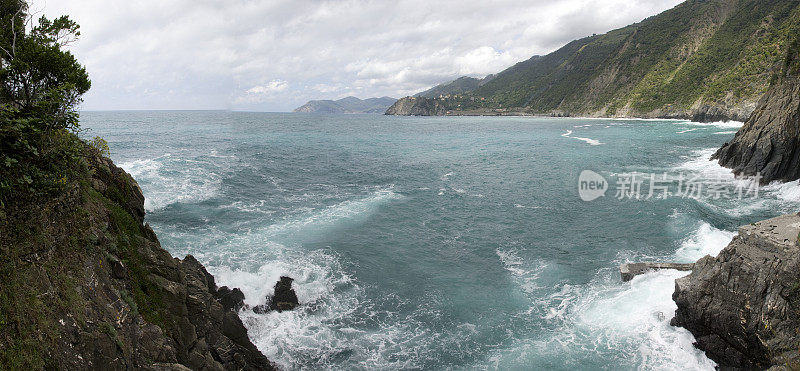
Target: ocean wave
593,142
308,335
706,240
780,196
606,318
320,221
526,273
166,180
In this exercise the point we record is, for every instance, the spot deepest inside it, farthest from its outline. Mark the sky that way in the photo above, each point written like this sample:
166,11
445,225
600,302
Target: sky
274,55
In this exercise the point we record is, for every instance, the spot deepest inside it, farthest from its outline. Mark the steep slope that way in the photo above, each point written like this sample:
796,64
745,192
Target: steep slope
769,142
463,84
84,284
703,59
743,307
413,106
347,105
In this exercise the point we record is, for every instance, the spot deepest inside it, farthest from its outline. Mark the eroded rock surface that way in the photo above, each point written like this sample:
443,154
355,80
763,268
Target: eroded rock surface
743,307
768,144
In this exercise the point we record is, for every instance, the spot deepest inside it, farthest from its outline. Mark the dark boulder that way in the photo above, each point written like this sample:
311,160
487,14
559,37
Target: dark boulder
283,299
230,299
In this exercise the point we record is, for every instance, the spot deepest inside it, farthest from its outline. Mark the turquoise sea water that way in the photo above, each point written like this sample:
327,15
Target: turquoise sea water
437,242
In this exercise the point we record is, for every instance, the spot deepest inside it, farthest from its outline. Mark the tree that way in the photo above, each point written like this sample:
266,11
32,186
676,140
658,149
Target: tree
40,88
38,78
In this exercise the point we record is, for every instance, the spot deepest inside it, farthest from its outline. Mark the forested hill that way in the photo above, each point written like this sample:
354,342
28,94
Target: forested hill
460,85
347,105
706,59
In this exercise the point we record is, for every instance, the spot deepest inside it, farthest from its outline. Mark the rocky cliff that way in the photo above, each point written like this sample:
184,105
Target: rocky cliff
85,284
417,106
769,142
743,307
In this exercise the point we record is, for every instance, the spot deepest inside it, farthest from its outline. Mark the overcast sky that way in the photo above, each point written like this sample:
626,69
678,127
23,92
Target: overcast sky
274,55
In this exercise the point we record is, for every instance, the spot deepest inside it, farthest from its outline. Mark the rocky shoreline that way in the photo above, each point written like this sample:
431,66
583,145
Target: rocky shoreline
743,306
421,106
769,142
97,291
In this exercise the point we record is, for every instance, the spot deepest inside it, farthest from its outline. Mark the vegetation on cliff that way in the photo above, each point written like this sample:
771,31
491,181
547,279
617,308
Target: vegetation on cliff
768,144
347,105
463,84
707,60
84,283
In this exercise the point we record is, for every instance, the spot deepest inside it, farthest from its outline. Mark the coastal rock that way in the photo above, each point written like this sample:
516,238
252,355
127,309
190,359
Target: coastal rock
743,307
107,295
283,299
769,142
230,299
417,106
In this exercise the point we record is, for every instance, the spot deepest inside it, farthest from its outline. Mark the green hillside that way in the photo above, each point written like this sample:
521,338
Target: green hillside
463,84
711,58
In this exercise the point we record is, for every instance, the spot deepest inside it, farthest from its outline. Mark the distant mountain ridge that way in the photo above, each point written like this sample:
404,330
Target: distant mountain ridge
707,60
347,105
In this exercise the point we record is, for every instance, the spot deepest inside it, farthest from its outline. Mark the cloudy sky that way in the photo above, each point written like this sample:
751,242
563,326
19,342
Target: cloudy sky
274,55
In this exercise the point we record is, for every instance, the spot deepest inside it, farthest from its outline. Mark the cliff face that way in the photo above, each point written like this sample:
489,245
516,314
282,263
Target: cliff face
743,307
417,106
769,142
86,285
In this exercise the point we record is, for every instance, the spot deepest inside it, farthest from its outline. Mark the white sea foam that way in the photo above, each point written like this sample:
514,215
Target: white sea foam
526,273
706,240
593,142
721,124
636,316
166,180
724,132
319,222
686,131
700,162
313,334
628,320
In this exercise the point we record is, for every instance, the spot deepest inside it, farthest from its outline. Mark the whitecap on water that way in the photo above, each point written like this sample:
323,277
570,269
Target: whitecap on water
166,180
706,240
606,318
593,142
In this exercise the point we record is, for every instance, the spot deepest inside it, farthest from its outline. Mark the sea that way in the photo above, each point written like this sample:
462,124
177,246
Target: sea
444,242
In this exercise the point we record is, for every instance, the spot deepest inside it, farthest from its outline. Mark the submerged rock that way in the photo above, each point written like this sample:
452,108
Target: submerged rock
769,142
743,307
283,299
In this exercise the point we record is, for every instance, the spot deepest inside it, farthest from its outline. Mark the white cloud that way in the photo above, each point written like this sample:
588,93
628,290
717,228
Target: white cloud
270,87
210,54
